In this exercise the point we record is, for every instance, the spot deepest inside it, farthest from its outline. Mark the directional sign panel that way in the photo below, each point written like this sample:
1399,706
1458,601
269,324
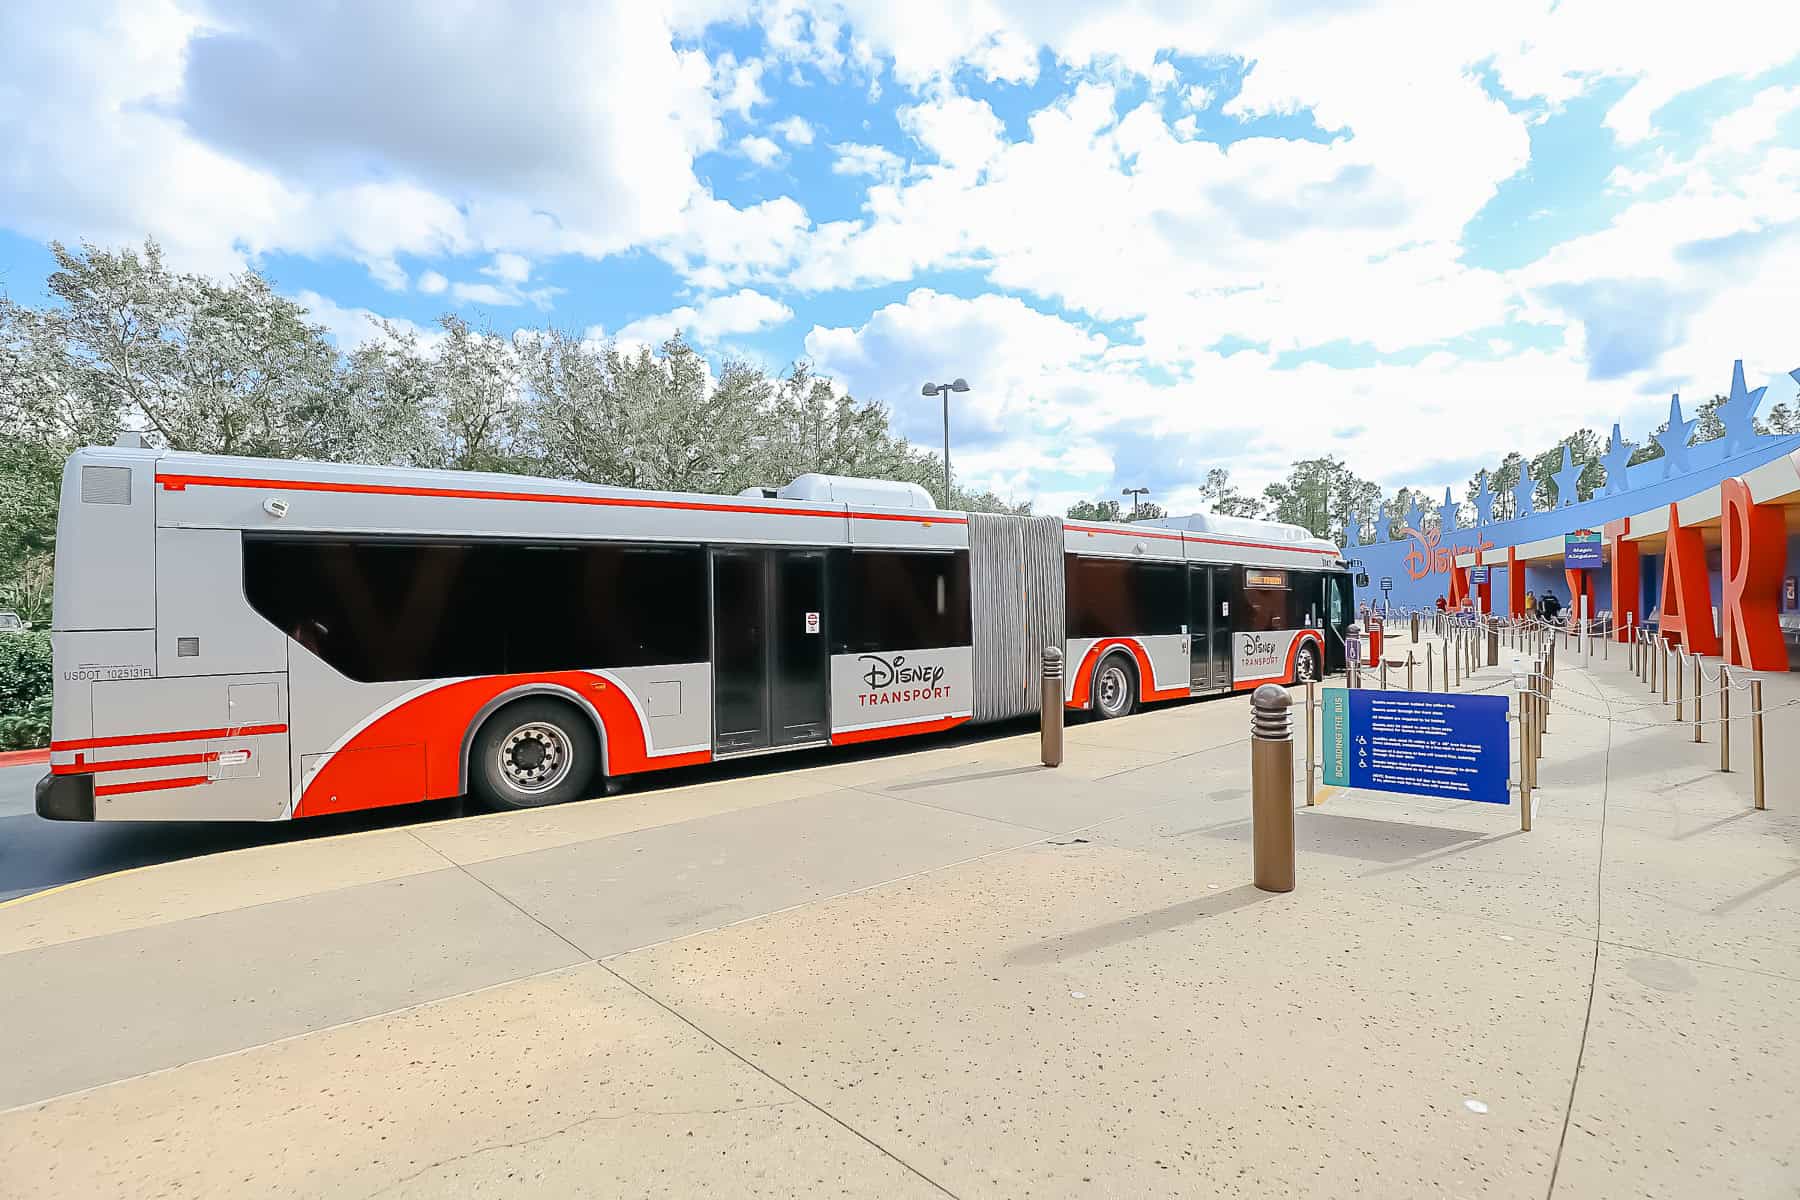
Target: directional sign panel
1424,743
1581,551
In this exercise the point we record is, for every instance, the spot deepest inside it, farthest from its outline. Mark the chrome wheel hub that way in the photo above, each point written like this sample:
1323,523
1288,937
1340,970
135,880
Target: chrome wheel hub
535,758
1112,686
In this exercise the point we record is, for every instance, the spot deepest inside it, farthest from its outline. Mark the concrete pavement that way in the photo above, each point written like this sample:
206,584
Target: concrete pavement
949,972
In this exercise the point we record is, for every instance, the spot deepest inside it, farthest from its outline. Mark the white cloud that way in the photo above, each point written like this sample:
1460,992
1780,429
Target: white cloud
509,268
355,327
795,130
854,158
738,85
956,130
744,311
1757,122
759,150
432,283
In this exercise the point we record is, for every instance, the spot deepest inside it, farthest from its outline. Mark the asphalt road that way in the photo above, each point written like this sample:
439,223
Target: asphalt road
37,854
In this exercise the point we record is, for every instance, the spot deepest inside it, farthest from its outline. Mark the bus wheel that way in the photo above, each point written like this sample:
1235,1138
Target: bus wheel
531,753
1115,687
1306,664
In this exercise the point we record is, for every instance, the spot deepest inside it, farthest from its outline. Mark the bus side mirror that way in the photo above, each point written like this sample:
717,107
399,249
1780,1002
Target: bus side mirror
1362,579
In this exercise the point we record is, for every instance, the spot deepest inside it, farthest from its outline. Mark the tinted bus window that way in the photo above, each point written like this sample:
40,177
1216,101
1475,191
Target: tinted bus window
1266,599
1111,597
898,600
380,610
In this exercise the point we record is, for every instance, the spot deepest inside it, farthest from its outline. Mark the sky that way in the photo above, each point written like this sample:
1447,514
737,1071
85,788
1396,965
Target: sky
1155,237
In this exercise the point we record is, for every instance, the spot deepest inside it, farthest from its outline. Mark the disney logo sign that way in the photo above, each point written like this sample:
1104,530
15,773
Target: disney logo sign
879,672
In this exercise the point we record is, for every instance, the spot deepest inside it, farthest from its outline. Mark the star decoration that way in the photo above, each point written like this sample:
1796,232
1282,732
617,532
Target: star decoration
1674,439
1568,481
1738,412
1617,455
1352,530
1414,520
1447,513
1523,492
1381,528
1484,501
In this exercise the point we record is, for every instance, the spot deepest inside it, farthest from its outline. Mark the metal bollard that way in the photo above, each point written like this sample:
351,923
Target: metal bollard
1525,750
1540,696
1662,653
1353,638
1312,740
1680,673
1654,656
1430,686
1724,718
1415,627
1756,745
1384,672
1050,737
1272,788
1409,670
1699,729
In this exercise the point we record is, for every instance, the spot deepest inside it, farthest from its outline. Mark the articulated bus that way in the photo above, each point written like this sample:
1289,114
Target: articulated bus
243,639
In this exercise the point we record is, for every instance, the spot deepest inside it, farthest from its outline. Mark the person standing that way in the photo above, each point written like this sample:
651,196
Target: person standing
1531,604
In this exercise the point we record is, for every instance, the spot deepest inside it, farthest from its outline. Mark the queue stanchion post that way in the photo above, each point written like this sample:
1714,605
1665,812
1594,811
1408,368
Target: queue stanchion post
1680,672
1409,670
1272,788
1430,684
1050,736
1699,694
1662,653
1724,718
1756,742
1312,740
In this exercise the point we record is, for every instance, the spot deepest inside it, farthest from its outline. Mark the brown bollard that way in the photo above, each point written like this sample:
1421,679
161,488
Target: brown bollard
1493,645
1724,718
1272,788
1415,627
1756,745
1050,736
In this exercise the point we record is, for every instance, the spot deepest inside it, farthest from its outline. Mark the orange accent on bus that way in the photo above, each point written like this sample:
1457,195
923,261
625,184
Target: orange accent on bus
132,764
180,735
151,785
178,483
1308,635
935,725
415,751
1147,690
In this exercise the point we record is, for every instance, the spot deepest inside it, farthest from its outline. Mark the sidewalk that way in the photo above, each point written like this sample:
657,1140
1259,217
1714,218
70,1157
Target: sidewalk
951,971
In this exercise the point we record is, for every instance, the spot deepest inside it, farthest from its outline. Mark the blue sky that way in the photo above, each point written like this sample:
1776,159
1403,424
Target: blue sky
1153,243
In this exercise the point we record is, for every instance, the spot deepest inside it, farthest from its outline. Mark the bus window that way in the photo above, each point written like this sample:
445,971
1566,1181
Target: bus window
1267,600
898,600
1112,597
386,610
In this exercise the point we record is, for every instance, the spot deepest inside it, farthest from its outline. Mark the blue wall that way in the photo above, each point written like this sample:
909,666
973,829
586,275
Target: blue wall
1649,485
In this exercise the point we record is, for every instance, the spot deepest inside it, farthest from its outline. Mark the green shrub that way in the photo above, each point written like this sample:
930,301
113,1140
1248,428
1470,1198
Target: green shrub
25,682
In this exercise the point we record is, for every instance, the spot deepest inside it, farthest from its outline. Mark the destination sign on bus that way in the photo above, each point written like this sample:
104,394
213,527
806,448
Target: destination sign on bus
1265,579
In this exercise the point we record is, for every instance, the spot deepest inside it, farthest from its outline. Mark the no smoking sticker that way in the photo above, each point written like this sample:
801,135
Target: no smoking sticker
812,622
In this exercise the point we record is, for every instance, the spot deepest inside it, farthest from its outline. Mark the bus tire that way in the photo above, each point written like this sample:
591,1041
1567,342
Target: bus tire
1306,664
533,752
1115,687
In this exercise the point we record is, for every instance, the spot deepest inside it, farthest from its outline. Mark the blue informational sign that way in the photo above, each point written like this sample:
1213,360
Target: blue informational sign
1478,574
1425,743
1581,551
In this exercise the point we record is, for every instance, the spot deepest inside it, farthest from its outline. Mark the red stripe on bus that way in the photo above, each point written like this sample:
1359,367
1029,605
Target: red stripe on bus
151,785
1194,537
176,483
180,735
133,764
936,725
1147,689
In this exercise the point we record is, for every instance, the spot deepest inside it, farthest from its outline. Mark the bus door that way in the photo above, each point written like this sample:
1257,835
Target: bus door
771,670
1209,628
1336,602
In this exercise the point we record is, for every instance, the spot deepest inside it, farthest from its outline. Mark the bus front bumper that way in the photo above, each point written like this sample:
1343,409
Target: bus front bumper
66,797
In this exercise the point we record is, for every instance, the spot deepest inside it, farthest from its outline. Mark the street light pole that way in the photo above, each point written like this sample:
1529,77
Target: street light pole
1136,494
944,390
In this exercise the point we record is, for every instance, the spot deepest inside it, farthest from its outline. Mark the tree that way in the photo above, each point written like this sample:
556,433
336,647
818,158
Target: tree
1096,510
1585,449
1218,495
1784,419
1321,494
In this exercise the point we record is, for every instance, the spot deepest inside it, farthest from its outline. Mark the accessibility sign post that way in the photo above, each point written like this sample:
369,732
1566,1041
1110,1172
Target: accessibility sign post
1423,743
